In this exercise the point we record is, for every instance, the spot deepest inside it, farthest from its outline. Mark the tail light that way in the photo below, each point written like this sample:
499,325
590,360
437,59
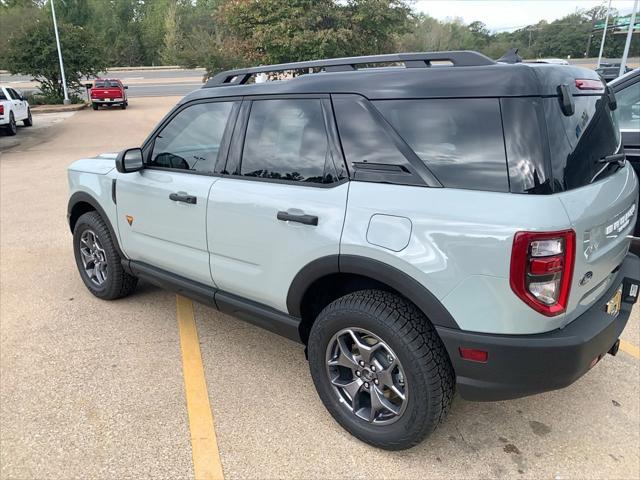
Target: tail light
542,268
1,109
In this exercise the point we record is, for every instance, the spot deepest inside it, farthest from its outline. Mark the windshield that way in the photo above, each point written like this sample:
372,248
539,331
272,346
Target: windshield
580,141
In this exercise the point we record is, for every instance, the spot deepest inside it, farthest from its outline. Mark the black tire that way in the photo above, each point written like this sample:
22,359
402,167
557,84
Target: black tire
95,106
28,122
430,379
12,128
123,106
118,283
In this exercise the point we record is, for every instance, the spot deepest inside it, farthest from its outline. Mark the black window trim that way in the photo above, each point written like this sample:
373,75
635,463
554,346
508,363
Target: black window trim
148,144
234,157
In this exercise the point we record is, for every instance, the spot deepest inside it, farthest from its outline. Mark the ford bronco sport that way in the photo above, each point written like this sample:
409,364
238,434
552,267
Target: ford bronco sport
421,228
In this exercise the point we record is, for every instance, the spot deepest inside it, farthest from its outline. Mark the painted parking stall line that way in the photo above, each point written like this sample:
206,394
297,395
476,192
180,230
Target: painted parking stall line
204,446
630,348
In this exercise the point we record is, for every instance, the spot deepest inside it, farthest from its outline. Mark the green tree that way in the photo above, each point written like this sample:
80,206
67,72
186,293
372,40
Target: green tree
33,52
275,31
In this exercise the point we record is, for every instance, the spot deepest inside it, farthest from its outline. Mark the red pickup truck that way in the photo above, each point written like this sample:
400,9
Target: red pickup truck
108,91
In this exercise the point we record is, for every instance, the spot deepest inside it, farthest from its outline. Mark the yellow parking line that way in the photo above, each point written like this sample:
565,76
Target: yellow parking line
630,348
204,447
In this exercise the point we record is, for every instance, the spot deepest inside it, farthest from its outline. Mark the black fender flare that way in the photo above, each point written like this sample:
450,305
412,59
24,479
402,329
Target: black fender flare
84,197
374,269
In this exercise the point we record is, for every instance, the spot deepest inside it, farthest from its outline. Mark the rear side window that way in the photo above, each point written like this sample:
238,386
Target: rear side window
286,139
2,95
579,142
460,140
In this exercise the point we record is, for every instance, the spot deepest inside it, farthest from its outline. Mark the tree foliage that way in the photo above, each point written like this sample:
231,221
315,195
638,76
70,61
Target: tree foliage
219,34
33,52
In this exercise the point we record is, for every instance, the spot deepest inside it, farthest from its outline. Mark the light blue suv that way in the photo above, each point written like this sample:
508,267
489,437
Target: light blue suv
421,228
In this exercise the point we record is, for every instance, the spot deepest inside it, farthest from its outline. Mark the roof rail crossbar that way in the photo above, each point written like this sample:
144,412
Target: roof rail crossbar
463,58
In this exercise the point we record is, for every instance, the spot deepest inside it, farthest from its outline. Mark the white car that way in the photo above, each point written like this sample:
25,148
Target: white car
555,61
13,109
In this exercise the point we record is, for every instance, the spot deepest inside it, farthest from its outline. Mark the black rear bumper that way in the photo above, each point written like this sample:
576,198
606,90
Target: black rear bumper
521,365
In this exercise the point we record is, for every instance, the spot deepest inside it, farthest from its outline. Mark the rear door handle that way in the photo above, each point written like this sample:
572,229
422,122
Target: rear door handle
183,197
291,217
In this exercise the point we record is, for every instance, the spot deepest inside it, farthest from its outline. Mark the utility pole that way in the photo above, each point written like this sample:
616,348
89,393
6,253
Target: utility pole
64,79
604,34
632,24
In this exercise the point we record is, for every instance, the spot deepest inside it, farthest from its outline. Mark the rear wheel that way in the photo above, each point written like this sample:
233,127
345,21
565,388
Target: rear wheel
12,128
380,369
29,120
124,106
95,106
98,260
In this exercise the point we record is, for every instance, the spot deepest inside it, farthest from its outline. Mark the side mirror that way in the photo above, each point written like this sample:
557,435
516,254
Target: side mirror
129,160
126,87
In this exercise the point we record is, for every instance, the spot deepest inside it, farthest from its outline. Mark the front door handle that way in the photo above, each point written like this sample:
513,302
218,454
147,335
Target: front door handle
302,218
183,197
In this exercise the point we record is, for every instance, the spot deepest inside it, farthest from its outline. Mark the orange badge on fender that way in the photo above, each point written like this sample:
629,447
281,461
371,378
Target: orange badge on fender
129,219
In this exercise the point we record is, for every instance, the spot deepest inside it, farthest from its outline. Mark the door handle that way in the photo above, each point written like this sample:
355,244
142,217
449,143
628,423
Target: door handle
291,217
183,197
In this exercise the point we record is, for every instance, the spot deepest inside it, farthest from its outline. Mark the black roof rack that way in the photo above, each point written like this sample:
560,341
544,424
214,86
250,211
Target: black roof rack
464,58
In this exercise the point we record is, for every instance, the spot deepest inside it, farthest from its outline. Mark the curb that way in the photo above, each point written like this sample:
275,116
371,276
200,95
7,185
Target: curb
57,108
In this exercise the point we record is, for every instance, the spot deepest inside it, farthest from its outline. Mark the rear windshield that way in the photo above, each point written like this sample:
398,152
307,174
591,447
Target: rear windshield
578,142
460,140
107,84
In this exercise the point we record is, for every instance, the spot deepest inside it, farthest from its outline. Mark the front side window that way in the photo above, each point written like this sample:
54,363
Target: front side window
286,139
628,111
460,140
191,140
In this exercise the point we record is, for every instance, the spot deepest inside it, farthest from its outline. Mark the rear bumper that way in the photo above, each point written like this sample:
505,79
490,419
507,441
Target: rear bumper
521,365
108,102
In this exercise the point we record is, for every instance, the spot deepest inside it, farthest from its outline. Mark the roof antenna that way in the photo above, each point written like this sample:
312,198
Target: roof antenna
511,56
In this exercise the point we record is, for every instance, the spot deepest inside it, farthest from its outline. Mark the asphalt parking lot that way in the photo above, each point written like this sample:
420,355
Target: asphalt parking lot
94,389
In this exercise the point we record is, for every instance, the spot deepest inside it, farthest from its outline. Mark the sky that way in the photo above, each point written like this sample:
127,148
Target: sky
506,15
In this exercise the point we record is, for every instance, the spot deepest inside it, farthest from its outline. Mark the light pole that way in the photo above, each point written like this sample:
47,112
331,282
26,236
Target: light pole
632,23
64,79
604,34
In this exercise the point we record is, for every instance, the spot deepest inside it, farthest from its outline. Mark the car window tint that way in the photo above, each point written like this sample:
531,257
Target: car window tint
191,140
363,139
579,141
287,140
2,95
13,94
460,140
628,111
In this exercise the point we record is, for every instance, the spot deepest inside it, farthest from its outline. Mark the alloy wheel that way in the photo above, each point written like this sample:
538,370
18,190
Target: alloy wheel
366,376
94,258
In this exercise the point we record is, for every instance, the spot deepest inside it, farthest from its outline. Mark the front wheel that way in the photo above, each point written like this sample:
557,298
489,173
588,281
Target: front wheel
380,369
98,260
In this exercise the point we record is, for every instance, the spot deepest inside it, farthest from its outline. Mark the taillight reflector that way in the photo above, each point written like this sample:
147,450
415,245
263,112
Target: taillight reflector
584,84
543,281
1,109
474,354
